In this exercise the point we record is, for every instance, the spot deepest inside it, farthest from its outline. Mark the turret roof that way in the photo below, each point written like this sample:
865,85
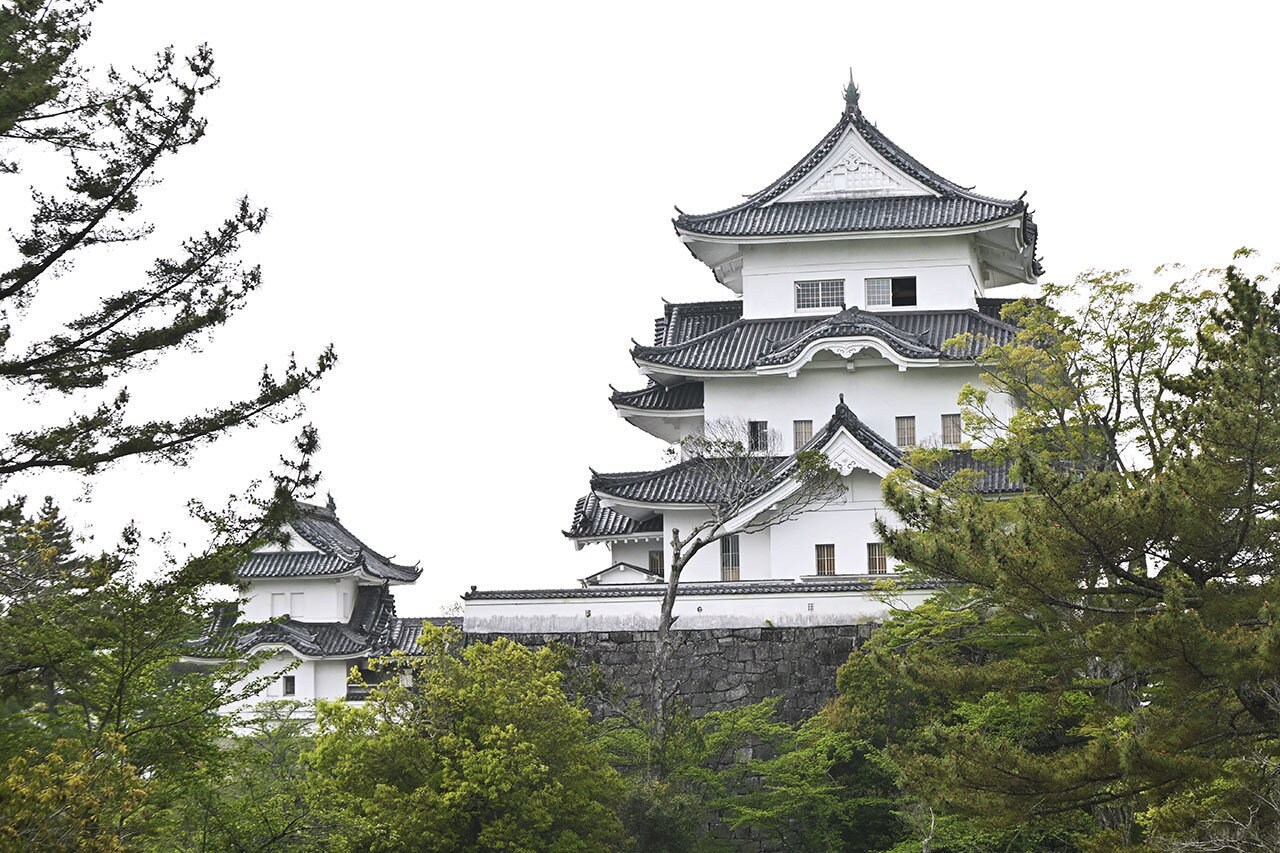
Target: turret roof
592,520
687,396
373,629
338,552
742,344
924,200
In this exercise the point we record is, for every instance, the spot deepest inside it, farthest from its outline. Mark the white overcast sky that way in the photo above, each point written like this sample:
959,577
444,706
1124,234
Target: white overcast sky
472,201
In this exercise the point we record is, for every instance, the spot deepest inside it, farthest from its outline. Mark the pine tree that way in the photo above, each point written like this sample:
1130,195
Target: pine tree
111,132
1112,642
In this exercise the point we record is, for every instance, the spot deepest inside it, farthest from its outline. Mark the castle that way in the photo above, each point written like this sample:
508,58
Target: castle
864,288
863,293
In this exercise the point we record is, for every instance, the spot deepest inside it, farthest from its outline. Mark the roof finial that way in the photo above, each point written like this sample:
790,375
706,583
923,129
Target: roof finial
332,507
851,96
842,399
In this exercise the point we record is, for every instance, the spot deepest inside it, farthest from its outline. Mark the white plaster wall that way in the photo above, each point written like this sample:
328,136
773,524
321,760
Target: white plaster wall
848,526
694,611
635,553
877,395
753,551
945,270
323,599
331,678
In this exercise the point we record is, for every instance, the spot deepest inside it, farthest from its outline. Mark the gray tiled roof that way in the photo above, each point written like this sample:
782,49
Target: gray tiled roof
844,418
748,344
373,629
681,321
678,398
338,552
293,564
859,584
694,481
591,520
689,482
953,206
990,306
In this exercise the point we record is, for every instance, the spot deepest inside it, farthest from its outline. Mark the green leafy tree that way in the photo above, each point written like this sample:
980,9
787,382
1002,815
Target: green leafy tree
823,790
104,724
473,748
1112,645
253,797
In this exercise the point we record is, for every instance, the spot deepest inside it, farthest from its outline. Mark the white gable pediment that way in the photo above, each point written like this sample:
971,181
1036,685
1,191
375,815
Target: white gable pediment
620,573
854,169
846,454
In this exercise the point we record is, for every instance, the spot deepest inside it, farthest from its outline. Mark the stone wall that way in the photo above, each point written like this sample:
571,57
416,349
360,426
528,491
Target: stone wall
716,668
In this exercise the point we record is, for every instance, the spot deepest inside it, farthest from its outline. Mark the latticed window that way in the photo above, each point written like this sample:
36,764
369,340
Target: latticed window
803,432
757,435
951,430
877,562
655,563
879,291
826,555
906,431
899,290
730,559
820,294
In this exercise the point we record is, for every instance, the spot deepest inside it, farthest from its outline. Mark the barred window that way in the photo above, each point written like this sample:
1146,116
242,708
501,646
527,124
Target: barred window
877,562
757,435
826,556
803,431
906,431
879,291
656,563
730,559
951,430
288,685
899,290
820,294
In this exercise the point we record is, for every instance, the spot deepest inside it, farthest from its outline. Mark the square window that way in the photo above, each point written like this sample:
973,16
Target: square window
879,291
730,559
828,293
826,559
655,563
951,430
899,290
803,432
877,562
903,290
906,431
288,686
757,435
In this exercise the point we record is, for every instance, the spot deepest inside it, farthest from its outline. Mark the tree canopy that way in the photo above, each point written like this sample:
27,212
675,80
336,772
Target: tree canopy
1103,671
473,748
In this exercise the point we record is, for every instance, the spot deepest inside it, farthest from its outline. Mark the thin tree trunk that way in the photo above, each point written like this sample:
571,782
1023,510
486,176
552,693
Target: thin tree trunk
662,651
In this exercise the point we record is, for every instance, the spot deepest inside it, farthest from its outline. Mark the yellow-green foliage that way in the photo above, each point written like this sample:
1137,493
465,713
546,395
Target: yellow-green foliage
469,749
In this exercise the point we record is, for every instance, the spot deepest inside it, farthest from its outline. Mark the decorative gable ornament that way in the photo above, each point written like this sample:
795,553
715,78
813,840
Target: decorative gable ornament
855,170
855,176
